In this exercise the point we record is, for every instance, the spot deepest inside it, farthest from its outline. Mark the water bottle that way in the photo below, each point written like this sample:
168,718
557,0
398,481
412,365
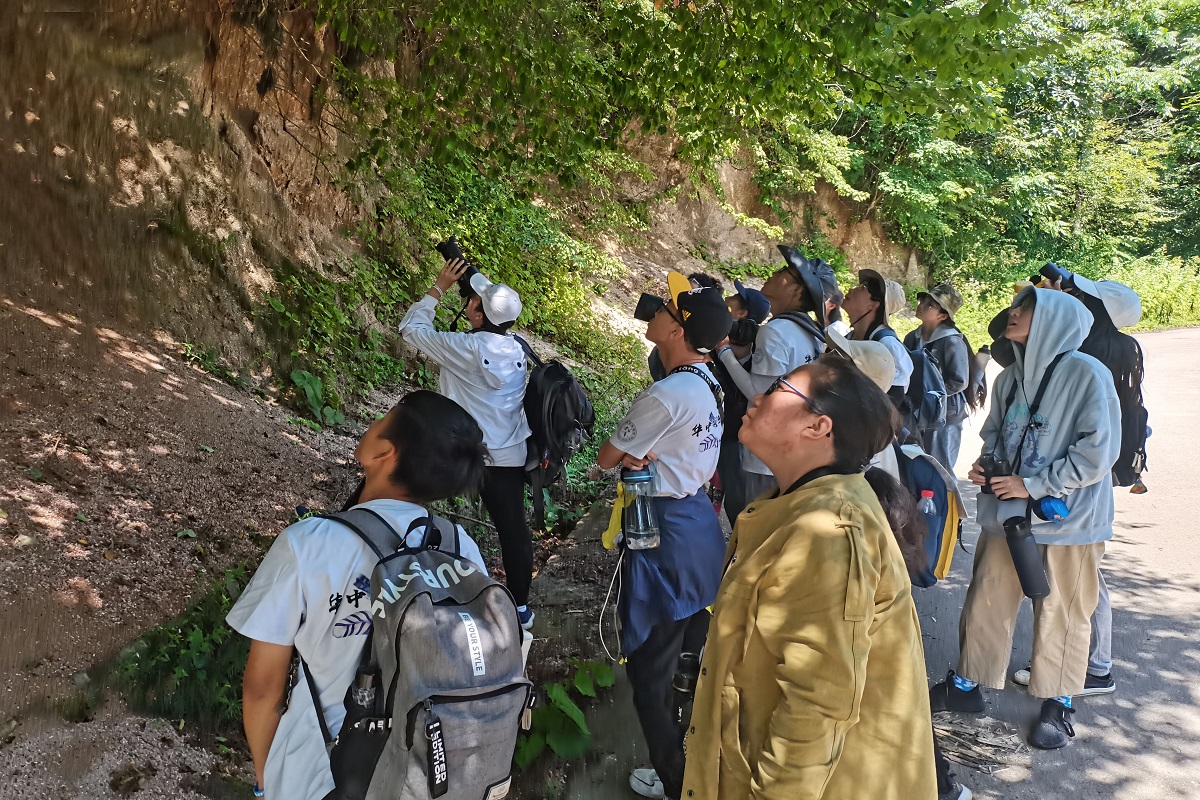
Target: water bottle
926,506
683,688
639,522
1026,558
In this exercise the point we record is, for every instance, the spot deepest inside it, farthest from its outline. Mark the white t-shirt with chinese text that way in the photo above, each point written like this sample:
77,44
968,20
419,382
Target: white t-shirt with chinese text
313,591
781,347
677,419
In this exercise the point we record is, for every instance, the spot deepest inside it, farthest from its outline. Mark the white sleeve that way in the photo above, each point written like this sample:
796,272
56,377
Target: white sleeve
272,608
469,550
646,422
449,350
741,378
904,365
773,353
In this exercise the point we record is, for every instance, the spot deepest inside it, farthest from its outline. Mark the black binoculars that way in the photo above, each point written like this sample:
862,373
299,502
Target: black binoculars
450,250
647,306
993,466
1053,273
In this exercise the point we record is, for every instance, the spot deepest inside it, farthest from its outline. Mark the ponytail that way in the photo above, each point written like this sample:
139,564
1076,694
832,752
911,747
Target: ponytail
901,512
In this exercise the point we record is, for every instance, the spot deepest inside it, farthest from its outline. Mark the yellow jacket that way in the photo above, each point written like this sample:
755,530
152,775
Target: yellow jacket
813,679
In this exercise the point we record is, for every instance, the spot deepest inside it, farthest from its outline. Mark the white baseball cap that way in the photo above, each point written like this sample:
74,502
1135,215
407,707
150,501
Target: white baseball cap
501,303
1122,303
873,359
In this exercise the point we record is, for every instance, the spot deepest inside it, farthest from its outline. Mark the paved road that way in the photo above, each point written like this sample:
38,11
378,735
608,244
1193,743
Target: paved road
1144,740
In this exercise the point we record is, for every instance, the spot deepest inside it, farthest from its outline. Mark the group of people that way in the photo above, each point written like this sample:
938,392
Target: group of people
790,399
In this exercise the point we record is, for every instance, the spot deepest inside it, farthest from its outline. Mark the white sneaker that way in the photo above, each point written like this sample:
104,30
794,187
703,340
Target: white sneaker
645,783
1021,677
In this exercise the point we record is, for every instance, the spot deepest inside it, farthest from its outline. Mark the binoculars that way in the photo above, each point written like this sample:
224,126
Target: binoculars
450,250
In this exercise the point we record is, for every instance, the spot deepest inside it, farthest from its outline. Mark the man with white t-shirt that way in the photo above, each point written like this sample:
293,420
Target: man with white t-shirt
312,592
790,339
484,371
665,591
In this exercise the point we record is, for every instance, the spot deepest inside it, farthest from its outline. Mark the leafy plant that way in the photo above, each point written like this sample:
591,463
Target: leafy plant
190,668
314,394
559,723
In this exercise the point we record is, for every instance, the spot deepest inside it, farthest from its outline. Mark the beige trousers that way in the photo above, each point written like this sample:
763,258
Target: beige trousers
1061,621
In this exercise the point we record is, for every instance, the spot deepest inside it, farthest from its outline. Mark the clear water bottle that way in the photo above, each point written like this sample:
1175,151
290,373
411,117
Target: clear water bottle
926,505
639,522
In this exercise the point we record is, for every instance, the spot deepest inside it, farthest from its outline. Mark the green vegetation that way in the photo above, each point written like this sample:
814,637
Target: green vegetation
559,723
189,668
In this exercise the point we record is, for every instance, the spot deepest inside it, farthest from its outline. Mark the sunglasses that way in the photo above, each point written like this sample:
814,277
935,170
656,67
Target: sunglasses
781,383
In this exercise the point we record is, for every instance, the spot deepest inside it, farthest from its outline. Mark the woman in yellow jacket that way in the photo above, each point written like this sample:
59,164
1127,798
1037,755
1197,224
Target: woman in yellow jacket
812,683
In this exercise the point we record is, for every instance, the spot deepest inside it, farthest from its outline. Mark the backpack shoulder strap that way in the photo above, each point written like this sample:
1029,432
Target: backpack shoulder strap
373,529
528,350
437,532
806,323
882,332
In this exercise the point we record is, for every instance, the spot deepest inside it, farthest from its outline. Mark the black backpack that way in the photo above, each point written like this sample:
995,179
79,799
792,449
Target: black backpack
560,416
1132,461
924,404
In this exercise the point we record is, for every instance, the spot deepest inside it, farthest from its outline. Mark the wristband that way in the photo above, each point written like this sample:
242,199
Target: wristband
258,792
438,289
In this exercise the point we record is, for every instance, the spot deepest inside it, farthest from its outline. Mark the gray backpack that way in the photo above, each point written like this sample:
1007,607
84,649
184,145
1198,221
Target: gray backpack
441,692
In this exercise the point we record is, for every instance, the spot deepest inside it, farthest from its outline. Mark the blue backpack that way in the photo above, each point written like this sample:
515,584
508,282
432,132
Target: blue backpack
920,471
924,406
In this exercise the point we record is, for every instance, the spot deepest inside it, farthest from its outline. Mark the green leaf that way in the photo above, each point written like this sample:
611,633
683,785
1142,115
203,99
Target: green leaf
35,474
529,747
206,448
583,682
82,518
557,695
187,533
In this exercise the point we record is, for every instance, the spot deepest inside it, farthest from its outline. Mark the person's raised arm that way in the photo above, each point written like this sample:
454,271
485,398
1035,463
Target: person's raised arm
443,348
741,378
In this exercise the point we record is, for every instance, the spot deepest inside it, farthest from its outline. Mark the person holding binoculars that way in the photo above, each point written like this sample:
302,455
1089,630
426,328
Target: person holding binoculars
1050,442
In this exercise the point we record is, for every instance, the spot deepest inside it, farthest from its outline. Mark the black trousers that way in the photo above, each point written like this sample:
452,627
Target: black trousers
650,669
503,495
941,766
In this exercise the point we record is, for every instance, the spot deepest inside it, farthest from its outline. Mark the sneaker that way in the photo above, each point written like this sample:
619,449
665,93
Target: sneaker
945,696
1021,676
1098,684
956,792
645,783
526,618
1053,729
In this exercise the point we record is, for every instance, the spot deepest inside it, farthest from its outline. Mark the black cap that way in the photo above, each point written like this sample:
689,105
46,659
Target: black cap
706,318
815,275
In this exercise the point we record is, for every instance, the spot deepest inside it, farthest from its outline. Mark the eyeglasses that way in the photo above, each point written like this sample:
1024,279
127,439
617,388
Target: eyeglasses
667,308
781,383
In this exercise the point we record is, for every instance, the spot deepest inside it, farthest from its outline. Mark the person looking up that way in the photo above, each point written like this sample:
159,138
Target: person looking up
665,591
812,683
1063,448
833,313
949,347
869,305
312,593
794,335
484,371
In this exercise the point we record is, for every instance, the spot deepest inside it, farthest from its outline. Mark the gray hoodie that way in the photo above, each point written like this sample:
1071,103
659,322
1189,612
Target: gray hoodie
1071,452
949,347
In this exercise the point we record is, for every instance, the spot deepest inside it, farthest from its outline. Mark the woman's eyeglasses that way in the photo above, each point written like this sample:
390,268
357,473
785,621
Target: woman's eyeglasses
781,383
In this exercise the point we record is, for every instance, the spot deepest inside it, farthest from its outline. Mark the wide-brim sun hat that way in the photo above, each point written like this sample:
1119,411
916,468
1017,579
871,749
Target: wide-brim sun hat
501,303
893,292
1122,303
945,296
815,275
872,358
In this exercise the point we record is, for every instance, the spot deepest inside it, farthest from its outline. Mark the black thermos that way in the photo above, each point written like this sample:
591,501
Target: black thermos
683,687
1026,558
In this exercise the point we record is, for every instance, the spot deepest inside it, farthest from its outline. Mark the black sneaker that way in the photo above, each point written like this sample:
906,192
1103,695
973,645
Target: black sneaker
945,696
956,792
1098,684
1054,729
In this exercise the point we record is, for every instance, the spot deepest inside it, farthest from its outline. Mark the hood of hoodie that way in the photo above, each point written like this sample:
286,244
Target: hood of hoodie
942,331
1060,324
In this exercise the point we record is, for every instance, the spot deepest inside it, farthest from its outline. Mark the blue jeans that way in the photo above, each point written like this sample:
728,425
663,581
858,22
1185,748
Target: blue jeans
943,444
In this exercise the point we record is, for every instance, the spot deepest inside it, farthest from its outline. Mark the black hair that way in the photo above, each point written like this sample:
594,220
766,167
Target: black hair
864,423
862,414
488,326
907,525
706,281
880,318
441,447
1122,354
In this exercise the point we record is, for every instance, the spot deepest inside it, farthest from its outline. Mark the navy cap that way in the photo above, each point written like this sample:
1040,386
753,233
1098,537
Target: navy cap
757,304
